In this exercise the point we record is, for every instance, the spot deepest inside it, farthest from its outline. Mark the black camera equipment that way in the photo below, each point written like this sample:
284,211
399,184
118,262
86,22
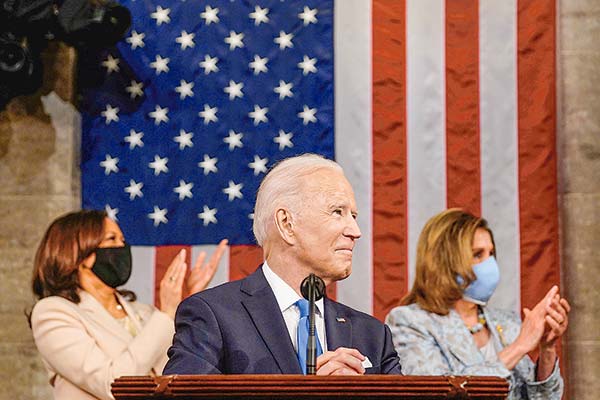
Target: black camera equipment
20,69
27,25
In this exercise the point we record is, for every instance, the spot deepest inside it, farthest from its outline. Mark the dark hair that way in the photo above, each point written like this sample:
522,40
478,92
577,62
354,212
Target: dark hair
69,240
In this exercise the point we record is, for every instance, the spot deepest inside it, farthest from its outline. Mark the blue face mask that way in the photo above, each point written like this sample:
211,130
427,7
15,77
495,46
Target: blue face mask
487,276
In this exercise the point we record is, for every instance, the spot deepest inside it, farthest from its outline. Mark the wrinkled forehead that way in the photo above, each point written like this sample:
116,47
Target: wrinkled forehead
328,185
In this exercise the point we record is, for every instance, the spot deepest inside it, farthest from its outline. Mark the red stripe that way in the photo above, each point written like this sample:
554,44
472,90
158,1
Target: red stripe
390,274
163,257
243,260
463,172
538,192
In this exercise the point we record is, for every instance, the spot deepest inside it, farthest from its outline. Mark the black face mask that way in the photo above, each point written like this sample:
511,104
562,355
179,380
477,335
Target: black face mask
113,265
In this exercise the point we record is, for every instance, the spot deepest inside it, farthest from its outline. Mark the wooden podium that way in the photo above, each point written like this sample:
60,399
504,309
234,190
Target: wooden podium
238,387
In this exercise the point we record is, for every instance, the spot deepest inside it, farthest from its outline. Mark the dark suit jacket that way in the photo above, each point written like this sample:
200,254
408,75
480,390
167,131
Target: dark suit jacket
237,328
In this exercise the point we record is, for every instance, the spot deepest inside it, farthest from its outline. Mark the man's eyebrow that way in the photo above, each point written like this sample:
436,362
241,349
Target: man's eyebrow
342,204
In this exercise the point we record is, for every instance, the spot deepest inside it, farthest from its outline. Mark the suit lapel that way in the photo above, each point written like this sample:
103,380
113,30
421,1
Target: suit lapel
338,327
264,312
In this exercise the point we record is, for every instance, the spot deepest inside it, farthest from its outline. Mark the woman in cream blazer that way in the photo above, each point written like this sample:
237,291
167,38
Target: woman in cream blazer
84,348
88,332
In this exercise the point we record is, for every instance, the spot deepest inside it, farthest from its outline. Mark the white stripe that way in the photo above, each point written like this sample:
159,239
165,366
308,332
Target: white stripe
222,273
426,116
142,274
352,38
499,135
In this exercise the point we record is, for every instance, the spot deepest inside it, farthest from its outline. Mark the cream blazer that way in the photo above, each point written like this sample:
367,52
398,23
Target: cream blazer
84,348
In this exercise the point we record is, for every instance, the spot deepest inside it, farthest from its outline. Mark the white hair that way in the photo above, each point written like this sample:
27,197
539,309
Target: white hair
282,187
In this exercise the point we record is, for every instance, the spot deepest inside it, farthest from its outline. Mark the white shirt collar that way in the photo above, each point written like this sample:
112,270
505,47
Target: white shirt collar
286,296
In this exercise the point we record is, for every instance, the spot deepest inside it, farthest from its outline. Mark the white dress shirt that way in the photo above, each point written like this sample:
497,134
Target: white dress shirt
286,297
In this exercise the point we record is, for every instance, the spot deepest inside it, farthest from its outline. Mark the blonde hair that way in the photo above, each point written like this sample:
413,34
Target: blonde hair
444,251
282,187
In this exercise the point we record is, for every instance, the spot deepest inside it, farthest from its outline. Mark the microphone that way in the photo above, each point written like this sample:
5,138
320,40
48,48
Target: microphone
312,289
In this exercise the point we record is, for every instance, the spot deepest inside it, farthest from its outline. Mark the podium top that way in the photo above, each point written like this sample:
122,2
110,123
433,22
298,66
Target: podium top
308,387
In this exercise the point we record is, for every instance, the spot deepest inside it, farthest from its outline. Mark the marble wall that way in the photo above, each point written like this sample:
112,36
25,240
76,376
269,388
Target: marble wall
579,190
39,180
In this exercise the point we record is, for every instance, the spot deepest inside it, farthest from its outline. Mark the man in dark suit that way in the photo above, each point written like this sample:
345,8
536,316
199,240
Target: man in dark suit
305,220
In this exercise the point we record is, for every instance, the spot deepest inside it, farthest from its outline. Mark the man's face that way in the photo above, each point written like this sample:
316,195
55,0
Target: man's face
326,228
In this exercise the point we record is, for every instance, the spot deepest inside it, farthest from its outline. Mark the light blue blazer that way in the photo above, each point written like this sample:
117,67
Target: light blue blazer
432,344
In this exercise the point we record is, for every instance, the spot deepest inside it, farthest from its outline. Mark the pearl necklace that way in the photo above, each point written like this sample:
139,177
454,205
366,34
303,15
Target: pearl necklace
478,327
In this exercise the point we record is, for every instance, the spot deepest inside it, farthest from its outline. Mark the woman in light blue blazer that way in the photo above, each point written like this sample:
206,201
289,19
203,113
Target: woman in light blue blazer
445,328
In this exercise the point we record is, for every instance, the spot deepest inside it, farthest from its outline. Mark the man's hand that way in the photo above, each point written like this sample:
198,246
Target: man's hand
342,361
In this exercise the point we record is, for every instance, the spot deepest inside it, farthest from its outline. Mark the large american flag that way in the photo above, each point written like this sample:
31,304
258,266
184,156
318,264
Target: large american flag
204,98
427,104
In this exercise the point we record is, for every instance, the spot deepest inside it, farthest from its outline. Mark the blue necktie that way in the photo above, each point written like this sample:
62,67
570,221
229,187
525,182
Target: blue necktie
302,336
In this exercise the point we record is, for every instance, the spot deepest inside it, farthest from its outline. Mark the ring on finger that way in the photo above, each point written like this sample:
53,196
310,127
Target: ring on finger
171,279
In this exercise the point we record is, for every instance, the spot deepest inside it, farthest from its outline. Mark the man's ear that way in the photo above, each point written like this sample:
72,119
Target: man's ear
285,225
